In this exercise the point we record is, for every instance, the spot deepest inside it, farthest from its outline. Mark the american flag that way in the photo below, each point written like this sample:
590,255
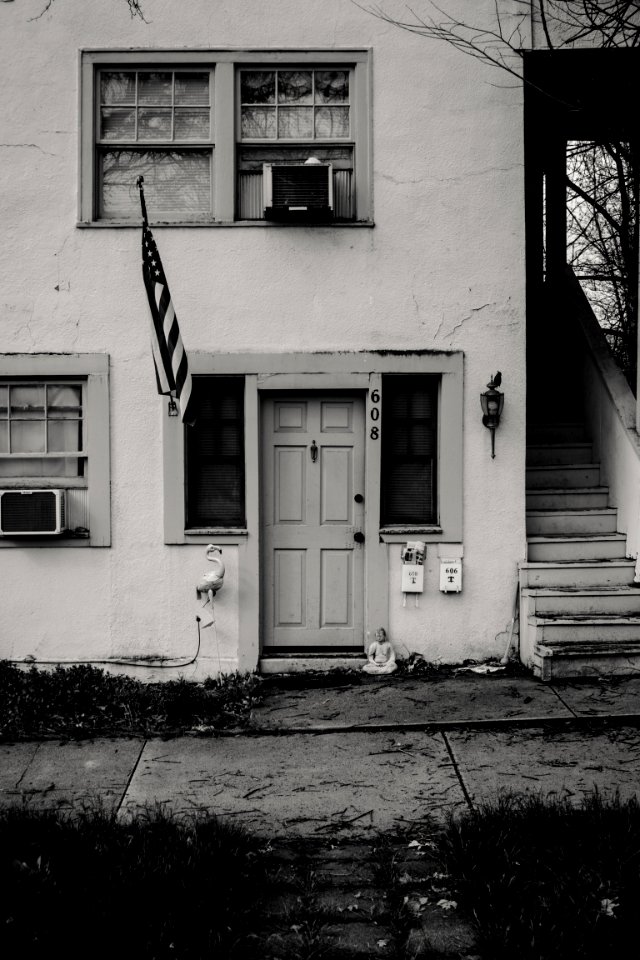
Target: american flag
169,355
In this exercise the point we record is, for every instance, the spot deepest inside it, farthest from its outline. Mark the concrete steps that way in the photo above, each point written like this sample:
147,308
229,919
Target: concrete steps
579,610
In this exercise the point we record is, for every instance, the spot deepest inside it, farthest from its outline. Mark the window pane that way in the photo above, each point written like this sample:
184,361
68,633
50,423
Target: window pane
258,86
27,436
4,399
295,123
154,124
64,401
258,123
409,494
27,402
295,86
155,88
118,123
4,436
46,467
332,86
332,122
191,124
177,184
64,436
192,88
118,87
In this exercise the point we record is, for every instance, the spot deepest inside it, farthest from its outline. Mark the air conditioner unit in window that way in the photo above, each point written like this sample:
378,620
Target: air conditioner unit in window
298,192
32,512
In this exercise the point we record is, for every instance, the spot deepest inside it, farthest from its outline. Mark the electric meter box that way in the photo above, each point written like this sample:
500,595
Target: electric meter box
412,578
451,576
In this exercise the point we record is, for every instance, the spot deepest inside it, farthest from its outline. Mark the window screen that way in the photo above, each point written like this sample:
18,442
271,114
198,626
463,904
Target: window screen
215,454
409,450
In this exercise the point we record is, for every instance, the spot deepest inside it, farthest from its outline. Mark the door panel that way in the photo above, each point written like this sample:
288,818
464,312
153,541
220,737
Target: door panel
312,569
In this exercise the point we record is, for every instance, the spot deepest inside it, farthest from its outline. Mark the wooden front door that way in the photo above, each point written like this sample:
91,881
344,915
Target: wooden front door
312,521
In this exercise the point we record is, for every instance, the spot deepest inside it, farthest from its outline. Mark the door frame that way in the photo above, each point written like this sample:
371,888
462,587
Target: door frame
331,370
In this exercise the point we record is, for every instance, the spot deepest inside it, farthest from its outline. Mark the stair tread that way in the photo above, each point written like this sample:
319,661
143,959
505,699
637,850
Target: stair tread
545,491
600,619
628,589
562,466
572,511
606,561
575,538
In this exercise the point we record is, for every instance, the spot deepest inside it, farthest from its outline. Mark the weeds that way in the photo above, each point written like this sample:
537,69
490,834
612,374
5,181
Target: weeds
547,880
84,701
152,888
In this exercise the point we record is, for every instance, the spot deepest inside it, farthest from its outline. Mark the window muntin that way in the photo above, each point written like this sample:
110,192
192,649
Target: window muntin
294,104
41,429
215,457
158,124
409,450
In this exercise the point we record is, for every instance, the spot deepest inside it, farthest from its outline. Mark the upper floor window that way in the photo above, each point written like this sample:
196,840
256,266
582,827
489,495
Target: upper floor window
158,124
204,127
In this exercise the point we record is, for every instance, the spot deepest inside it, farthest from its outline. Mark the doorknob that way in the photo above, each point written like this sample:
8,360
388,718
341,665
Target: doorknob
313,451
358,536
359,498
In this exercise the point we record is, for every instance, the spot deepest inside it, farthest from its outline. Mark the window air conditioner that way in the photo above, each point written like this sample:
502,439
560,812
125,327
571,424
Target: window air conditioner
298,192
32,512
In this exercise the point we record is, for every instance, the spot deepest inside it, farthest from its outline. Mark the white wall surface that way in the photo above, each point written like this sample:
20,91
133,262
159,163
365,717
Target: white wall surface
443,268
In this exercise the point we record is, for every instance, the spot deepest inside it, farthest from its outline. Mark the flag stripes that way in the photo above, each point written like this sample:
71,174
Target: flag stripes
172,368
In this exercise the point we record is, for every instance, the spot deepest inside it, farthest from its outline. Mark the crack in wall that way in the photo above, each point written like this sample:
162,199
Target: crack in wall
34,146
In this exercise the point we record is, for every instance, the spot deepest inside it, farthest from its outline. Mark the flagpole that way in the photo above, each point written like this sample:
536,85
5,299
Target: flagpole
139,182
173,407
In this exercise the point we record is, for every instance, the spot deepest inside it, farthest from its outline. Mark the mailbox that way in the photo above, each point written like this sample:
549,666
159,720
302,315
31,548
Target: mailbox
451,576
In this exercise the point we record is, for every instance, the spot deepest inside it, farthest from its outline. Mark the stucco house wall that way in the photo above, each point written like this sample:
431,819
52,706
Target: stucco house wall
442,268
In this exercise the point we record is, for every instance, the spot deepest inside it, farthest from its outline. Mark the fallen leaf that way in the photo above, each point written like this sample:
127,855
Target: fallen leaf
448,904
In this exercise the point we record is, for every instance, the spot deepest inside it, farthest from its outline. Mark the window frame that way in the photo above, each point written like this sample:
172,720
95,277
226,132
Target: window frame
226,65
92,370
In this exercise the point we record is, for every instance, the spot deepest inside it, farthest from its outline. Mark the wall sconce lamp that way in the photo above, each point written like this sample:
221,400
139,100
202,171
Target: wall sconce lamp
492,402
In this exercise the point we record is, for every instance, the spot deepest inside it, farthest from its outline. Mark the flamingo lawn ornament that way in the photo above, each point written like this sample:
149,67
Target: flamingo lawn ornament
211,581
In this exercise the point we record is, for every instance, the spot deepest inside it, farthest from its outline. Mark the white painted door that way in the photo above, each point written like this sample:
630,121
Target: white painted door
312,521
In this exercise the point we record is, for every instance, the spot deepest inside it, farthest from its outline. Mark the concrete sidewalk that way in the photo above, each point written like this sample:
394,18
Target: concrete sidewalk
352,760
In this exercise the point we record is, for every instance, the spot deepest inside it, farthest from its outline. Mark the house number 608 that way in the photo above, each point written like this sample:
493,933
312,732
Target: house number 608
374,413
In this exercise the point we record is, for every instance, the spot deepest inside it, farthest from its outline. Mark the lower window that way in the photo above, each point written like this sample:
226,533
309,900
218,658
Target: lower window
54,449
215,487
409,450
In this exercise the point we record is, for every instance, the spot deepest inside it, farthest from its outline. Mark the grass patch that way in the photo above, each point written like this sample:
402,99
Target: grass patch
546,880
84,701
90,886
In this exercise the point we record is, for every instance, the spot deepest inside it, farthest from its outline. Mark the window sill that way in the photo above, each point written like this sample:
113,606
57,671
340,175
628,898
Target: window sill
402,534
270,224
223,535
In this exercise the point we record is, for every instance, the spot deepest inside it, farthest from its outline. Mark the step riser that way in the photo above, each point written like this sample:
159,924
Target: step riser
600,575
566,477
588,633
601,605
550,454
568,500
566,524
566,668
565,551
